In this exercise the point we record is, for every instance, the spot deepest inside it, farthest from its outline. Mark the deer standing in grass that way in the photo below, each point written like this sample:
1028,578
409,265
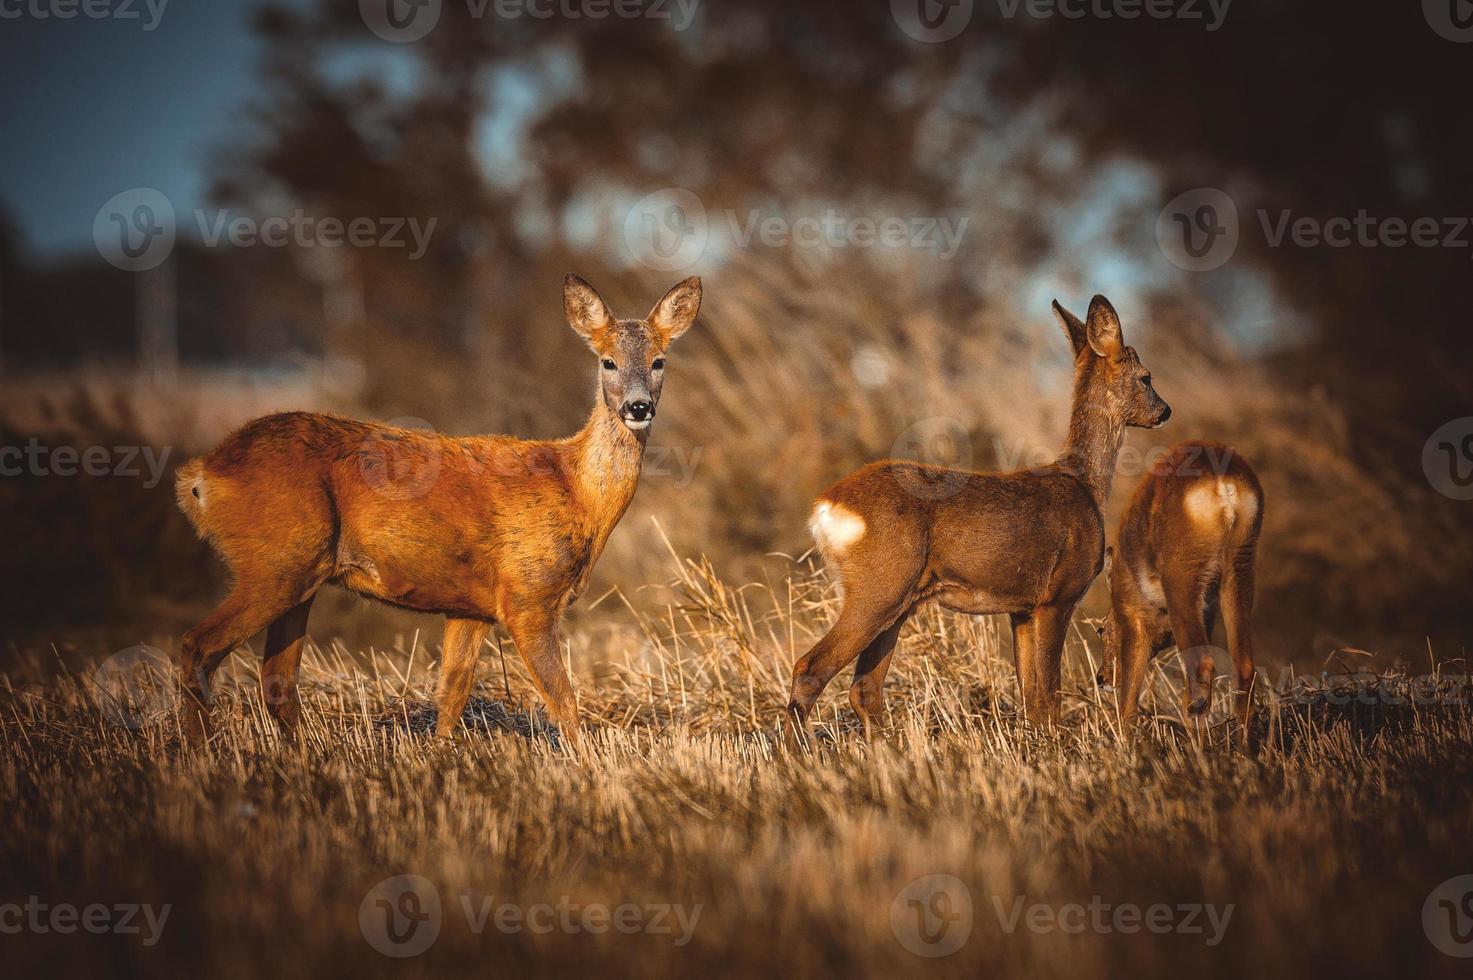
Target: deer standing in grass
1028,543
1185,550
484,530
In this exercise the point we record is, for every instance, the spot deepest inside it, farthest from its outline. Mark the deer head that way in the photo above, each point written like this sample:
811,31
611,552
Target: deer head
631,353
1114,374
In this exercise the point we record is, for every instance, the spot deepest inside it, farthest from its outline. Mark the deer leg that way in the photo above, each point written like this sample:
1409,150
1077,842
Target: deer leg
536,634
1237,617
462,647
1050,625
1186,605
867,691
246,610
1024,659
858,625
284,640
1130,674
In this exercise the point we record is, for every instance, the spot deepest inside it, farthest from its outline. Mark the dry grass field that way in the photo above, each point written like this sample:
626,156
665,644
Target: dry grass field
681,837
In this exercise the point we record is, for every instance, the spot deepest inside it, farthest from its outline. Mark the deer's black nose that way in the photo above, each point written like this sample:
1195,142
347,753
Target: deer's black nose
639,410
1166,413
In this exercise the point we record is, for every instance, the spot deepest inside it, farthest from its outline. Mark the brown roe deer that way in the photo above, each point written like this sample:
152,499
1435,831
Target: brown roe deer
483,530
1185,549
1027,543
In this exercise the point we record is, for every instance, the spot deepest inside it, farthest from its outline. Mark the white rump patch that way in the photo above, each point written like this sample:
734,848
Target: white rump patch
835,527
1221,501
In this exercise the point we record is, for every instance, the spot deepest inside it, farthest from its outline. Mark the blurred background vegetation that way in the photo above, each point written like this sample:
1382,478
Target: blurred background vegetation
536,144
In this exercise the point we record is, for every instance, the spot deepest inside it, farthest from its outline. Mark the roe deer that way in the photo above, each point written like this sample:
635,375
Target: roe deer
1026,543
486,530
1186,547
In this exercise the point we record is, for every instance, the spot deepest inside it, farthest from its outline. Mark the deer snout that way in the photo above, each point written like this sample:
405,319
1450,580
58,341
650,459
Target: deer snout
1165,414
638,412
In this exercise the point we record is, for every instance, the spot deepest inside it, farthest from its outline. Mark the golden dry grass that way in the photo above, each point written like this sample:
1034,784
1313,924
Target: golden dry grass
1325,841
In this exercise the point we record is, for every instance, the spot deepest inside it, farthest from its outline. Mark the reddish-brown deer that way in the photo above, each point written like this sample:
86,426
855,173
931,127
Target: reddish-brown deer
1185,550
1026,543
483,530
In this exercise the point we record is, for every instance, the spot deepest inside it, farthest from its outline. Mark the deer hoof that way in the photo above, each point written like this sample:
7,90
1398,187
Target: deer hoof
1199,707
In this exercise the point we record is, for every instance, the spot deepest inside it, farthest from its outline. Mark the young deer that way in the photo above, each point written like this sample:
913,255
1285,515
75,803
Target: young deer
1186,547
1026,543
484,530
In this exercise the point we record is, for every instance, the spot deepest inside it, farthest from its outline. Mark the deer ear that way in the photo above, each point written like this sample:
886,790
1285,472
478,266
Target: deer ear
1073,327
587,314
673,315
1103,328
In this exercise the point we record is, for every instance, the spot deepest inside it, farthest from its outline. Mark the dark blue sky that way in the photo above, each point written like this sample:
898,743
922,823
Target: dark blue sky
94,107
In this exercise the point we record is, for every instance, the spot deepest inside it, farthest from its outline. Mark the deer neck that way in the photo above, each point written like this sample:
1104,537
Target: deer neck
1094,440
606,458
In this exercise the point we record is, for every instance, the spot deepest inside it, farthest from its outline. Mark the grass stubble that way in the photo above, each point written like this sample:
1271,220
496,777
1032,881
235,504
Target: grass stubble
1325,840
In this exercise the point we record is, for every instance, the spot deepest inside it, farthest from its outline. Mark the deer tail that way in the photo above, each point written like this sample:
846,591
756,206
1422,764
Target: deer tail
192,492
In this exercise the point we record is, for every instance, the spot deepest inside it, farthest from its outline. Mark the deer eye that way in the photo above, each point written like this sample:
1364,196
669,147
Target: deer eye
659,364
609,365
1146,381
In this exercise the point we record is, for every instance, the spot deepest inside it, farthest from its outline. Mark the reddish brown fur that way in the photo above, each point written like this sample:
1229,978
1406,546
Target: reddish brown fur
484,530
1026,543
1186,547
